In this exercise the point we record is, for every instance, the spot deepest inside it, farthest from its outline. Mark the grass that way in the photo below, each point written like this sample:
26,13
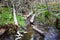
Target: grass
6,16
45,16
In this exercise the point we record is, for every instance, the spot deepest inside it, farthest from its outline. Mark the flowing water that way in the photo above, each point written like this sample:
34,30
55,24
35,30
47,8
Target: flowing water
49,33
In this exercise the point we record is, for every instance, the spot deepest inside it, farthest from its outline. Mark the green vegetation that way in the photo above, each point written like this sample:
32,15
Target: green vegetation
21,20
45,16
6,17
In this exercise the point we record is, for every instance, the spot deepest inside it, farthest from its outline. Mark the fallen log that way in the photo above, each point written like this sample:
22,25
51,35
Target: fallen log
38,31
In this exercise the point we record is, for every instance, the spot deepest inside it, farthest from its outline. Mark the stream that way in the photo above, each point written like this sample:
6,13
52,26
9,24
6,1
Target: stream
49,33
37,32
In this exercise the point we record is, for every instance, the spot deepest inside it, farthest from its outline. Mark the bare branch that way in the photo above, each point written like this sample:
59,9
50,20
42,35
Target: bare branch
14,13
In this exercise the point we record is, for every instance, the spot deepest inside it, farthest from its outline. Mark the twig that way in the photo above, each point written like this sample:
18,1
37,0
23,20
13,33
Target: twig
34,27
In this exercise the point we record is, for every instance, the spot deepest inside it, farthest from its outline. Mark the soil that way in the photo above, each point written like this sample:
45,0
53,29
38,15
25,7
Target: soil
8,31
